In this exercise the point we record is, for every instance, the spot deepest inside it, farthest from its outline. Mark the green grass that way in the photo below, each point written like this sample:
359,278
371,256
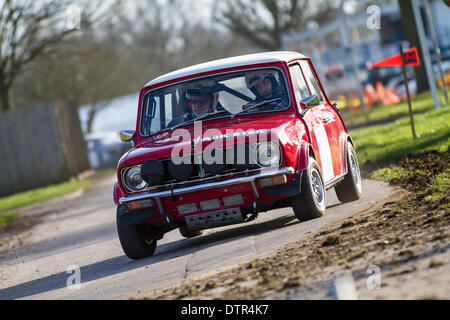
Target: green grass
29,197
394,141
5,218
420,103
394,172
438,189
386,143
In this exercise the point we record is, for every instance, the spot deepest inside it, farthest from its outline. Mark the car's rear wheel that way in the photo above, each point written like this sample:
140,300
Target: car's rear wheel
187,233
310,203
350,188
136,240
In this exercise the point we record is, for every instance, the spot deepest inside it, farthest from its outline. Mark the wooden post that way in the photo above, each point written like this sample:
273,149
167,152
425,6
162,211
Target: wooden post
405,77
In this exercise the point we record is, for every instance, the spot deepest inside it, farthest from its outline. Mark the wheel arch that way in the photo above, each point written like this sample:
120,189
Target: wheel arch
117,194
305,151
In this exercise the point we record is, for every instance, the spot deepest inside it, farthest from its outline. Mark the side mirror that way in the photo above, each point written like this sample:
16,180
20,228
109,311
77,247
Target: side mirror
308,103
336,107
127,135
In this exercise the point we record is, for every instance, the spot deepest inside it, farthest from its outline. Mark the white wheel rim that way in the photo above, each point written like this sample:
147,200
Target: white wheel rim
317,187
354,167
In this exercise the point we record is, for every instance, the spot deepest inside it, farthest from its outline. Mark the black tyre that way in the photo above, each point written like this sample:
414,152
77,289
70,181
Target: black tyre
185,232
350,188
136,240
310,203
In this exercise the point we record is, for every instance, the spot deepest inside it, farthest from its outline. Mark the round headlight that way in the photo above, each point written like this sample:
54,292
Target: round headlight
269,154
134,179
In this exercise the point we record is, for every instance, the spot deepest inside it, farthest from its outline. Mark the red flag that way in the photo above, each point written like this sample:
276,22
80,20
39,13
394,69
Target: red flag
411,59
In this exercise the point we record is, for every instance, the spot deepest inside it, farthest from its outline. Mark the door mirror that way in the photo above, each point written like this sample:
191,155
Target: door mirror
127,135
308,103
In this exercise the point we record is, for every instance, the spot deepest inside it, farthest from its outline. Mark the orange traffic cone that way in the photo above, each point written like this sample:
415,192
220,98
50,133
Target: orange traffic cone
391,97
371,95
381,92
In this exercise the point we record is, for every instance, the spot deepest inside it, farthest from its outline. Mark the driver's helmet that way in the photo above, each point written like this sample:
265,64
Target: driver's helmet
254,78
201,99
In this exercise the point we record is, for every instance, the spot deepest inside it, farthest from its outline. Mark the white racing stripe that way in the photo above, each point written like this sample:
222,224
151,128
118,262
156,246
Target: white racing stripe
325,152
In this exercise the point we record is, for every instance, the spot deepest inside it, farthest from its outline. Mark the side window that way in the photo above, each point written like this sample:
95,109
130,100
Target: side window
298,81
156,121
168,109
312,81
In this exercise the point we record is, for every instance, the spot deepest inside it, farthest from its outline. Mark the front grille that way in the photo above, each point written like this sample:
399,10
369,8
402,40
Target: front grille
199,175
230,165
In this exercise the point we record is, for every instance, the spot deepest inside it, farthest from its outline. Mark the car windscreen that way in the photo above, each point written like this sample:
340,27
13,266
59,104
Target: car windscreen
225,95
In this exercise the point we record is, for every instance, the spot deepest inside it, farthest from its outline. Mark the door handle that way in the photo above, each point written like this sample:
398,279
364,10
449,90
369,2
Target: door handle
327,119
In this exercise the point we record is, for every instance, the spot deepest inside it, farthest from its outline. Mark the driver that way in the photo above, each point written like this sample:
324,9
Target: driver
201,100
264,86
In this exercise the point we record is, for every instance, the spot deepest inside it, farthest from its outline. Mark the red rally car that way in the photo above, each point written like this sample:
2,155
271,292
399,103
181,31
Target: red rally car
217,143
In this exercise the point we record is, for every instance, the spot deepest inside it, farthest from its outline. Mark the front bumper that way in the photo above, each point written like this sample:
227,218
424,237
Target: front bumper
266,173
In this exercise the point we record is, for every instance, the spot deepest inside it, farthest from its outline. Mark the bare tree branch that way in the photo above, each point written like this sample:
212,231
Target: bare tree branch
263,22
29,28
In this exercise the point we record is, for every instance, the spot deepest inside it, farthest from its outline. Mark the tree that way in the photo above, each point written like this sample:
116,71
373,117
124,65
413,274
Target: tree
409,24
29,29
263,22
122,54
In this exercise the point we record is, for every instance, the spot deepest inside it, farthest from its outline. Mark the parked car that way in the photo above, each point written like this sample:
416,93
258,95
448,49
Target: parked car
217,143
384,74
105,149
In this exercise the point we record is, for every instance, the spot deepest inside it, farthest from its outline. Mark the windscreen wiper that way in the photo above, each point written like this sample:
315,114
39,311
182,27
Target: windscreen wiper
256,106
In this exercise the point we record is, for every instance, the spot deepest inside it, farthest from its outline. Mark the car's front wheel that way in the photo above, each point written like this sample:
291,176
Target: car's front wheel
136,240
310,203
350,188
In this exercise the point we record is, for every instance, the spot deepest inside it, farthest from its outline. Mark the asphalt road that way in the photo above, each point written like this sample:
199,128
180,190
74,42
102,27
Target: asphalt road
81,232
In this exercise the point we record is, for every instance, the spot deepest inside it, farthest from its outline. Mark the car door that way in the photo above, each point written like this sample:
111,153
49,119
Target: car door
330,119
313,119
320,121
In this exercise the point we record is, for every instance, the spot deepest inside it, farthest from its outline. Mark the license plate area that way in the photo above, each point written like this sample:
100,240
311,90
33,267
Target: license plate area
214,219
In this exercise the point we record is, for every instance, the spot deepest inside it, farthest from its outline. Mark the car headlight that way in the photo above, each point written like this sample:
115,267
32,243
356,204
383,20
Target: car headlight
133,179
269,154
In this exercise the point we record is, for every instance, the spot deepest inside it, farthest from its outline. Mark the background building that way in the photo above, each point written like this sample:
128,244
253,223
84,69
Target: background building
329,44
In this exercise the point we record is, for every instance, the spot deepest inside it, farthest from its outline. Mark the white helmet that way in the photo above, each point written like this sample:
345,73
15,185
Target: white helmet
253,78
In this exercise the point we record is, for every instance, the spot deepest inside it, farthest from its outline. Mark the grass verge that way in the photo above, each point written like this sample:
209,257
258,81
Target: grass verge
421,103
22,199
389,142
6,218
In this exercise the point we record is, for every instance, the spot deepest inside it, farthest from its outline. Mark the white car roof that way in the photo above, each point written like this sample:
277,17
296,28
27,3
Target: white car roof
245,60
